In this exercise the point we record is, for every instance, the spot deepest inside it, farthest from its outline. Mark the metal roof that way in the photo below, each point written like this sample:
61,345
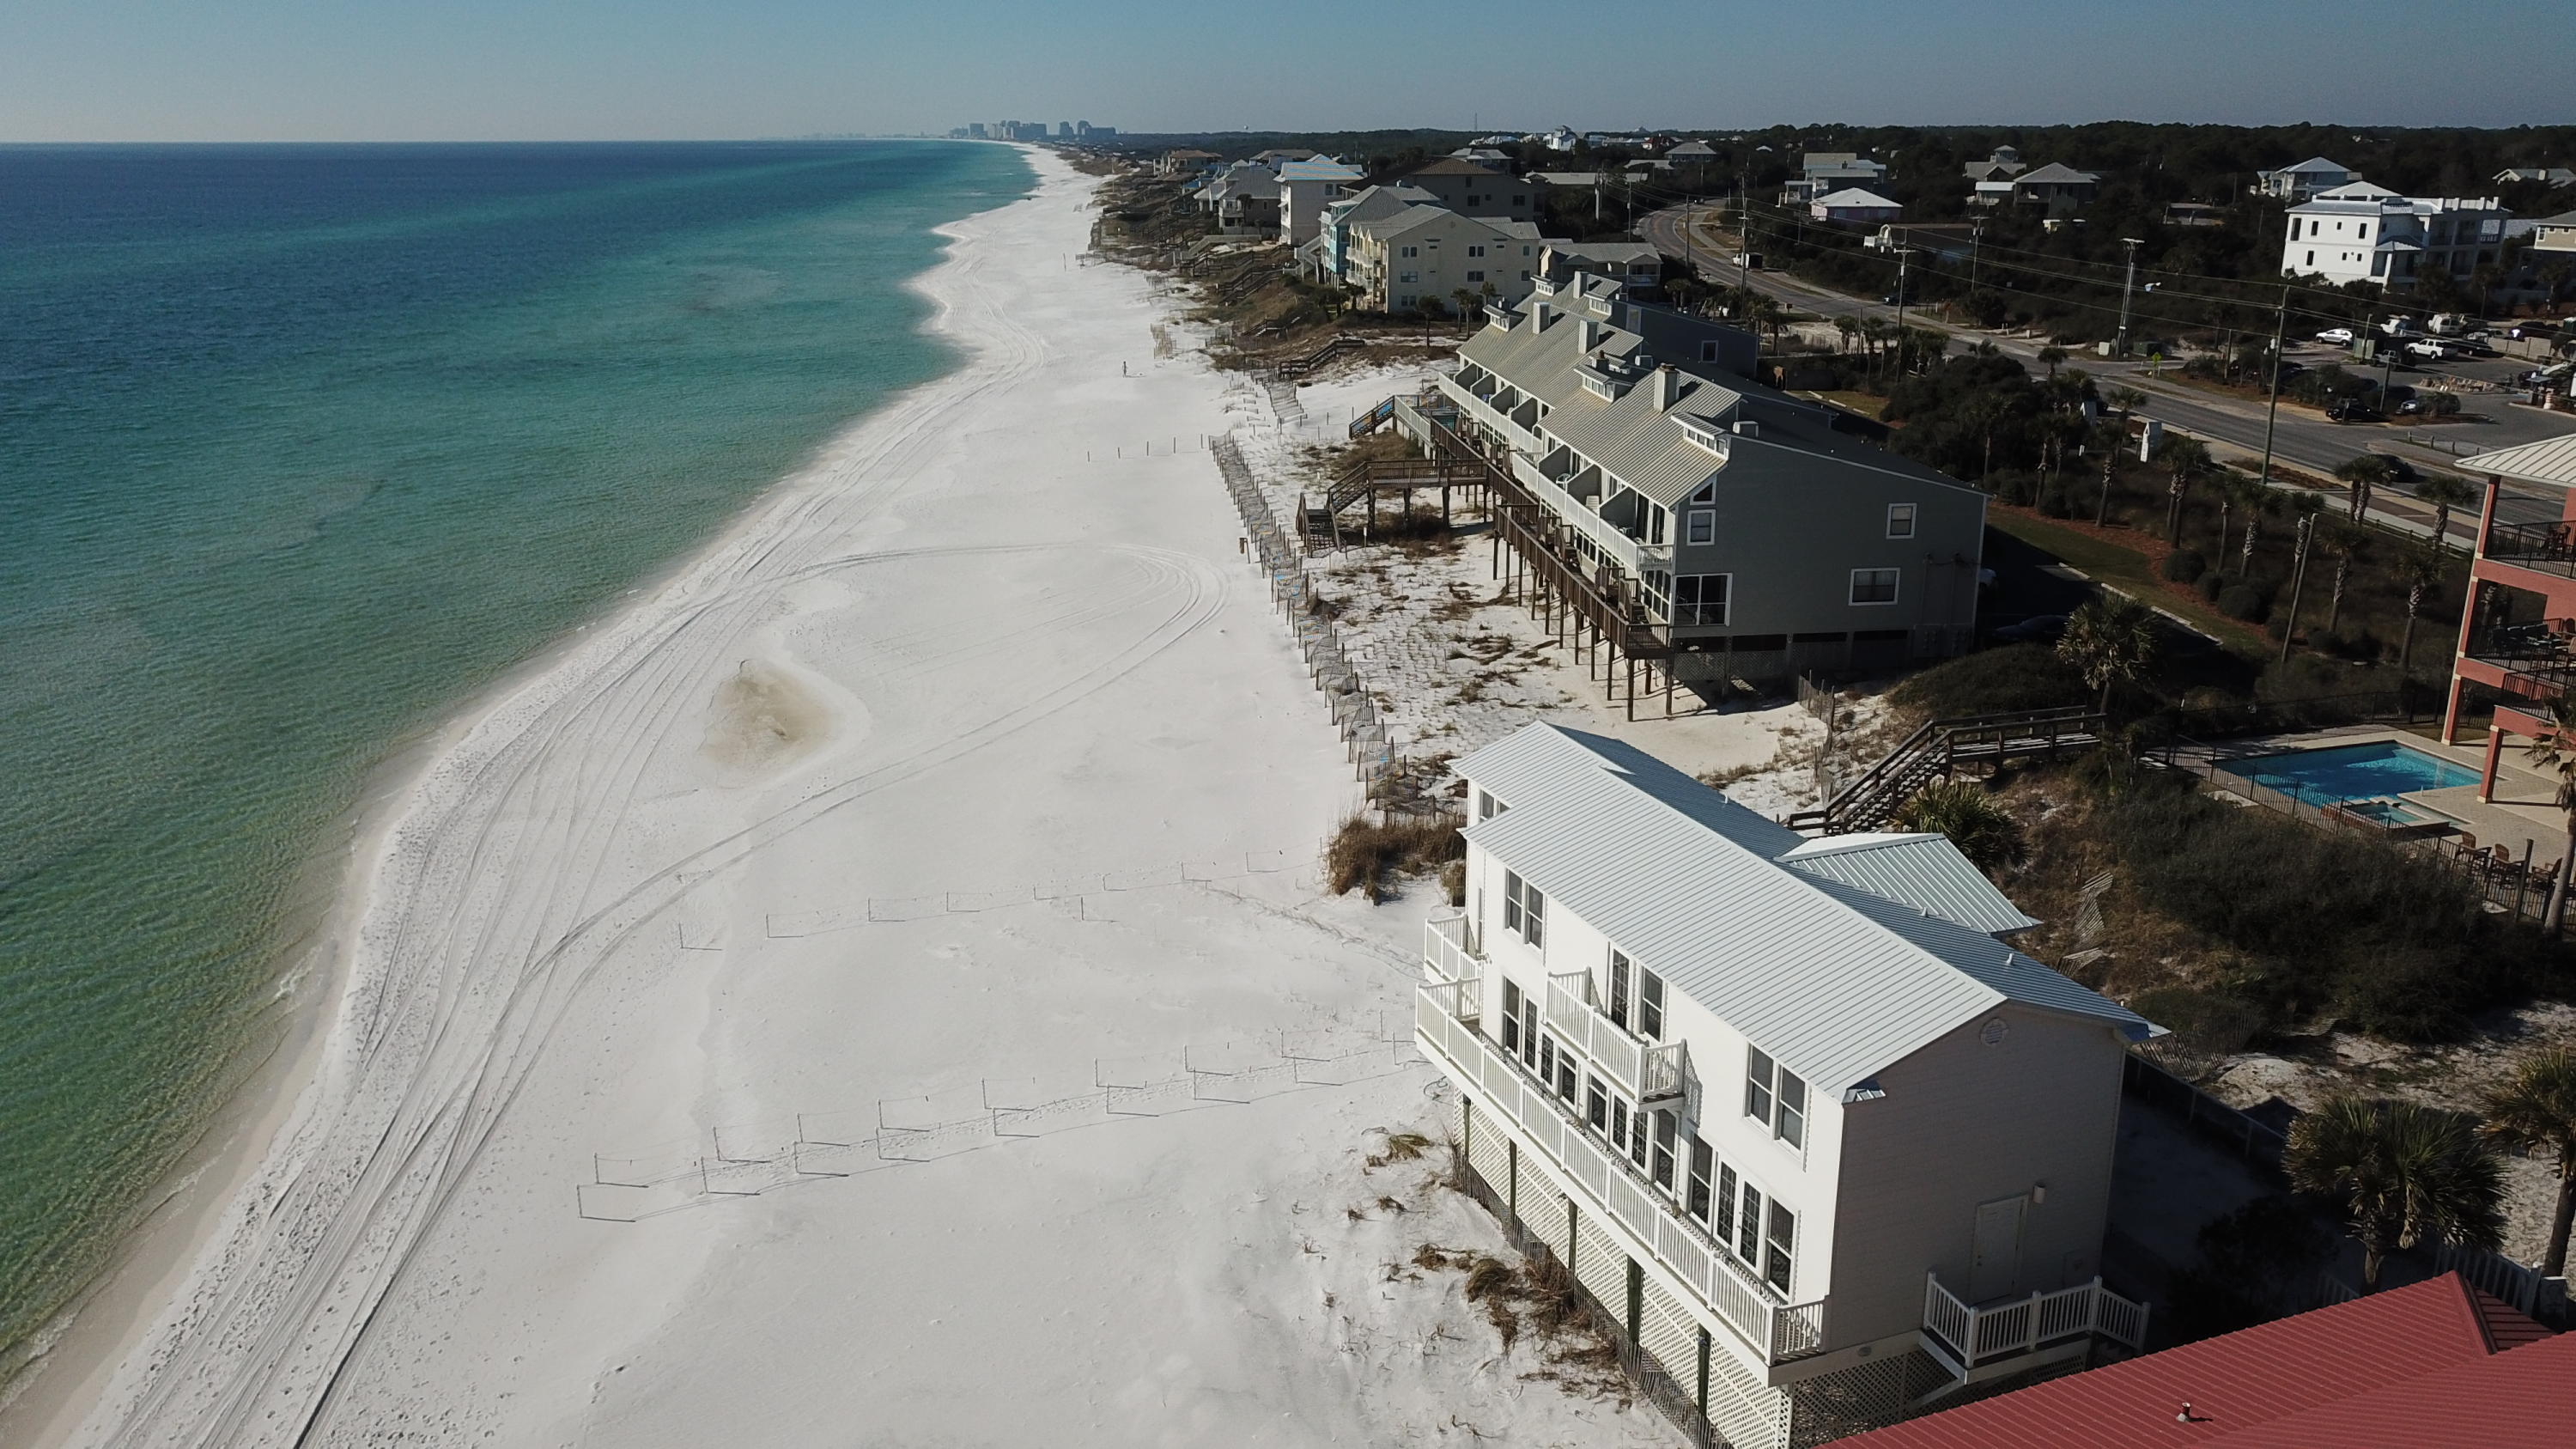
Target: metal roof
1855,196
2551,461
2408,1367
1318,171
1924,871
1833,981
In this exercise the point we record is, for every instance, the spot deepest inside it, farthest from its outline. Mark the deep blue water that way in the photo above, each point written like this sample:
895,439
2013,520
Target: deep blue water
298,447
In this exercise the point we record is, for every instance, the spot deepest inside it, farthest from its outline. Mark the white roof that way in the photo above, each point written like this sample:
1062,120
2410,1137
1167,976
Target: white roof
1853,196
1834,981
2314,165
1921,870
2551,461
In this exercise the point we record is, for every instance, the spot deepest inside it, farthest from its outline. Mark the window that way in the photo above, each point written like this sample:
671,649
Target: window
1547,1060
1619,986
1702,1164
1408,252
1475,276
1725,1223
1474,250
1637,1138
1619,1123
1511,1017
1700,526
1775,1097
1873,586
1596,1104
1524,909
1667,1131
1565,1075
1700,599
1650,1005
1409,277
1748,1227
1529,1029
1708,352
1900,520
1486,809
1784,1231
1519,199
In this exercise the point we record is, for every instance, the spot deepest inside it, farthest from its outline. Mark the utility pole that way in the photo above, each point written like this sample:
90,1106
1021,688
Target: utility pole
1976,242
2126,283
2272,415
1904,256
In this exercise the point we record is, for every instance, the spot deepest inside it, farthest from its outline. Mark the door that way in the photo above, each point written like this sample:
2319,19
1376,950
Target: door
1997,1259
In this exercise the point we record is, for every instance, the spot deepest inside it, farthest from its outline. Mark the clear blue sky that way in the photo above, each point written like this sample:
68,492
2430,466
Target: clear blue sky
530,69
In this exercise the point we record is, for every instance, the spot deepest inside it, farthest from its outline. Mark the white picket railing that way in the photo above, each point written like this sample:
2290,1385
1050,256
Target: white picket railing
1449,950
1976,1335
1618,1193
1649,1072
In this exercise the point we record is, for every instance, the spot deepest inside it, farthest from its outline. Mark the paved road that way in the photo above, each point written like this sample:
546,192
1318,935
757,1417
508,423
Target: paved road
2304,439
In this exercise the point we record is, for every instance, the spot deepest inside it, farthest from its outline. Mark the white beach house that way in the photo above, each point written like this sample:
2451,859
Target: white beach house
2366,233
1790,1109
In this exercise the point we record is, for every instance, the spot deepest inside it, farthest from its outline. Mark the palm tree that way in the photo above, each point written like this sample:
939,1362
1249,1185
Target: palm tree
2555,752
2052,357
2110,436
2534,1112
1847,327
1984,832
2421,570
2445,493
2127,400
2110,640
2363,474
2401,1173
2186,460
2347,543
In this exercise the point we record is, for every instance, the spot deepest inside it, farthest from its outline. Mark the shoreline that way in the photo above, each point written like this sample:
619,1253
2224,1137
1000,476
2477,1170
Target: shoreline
67,1380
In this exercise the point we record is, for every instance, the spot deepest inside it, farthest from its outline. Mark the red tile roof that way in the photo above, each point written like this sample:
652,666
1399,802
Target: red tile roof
2265,1375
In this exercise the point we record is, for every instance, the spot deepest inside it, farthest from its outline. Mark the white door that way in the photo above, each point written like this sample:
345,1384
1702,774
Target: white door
1997,1258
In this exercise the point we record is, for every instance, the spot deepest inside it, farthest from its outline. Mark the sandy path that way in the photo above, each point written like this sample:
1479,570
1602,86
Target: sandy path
968,766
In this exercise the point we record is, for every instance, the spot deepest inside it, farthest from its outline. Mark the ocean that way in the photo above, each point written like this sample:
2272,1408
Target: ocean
301,446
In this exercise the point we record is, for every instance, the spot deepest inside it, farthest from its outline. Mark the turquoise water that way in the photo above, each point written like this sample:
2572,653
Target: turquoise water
299,446
2351,772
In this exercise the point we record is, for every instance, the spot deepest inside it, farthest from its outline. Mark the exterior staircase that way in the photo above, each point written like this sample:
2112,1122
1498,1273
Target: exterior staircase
1938,749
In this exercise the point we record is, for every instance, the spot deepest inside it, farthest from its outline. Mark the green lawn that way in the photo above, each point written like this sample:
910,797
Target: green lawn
2131,572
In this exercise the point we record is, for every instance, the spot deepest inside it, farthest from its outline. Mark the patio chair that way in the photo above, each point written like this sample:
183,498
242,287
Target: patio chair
2465,846
2502,865
2553,543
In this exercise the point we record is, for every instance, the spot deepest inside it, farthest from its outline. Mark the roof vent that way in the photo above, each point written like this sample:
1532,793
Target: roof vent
1747,428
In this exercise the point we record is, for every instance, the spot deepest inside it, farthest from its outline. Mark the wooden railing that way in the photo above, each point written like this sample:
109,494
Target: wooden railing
1615,1190
1974,1336
1933,751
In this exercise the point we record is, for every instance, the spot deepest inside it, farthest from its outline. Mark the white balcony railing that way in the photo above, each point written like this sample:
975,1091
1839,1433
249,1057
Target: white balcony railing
1633,557
1647,1071
1972,1337
1484,408
1613,1189
1449,947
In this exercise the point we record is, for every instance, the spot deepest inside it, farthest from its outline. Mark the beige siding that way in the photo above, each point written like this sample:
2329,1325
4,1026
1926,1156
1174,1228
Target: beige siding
1965,1123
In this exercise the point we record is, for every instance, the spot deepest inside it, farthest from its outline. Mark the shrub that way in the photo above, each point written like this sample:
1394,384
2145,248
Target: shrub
2243,601
2254,1266
2330,923
1961,809
2185,565
2214,1023
1993,681
1366,854
2210,584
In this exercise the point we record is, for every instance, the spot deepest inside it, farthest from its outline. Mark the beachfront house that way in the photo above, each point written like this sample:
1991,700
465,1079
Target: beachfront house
1244,199
1790,1110
1306,188
1327,258
1425,255
2055,188
2366,233
1767,541
1637,266
2001,164
1852,206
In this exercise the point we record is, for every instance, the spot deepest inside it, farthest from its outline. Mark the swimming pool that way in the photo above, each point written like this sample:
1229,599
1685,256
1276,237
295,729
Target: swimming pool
2351,772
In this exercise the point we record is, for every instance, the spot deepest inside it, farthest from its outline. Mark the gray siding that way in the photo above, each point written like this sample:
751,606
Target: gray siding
1791,528
1964,1123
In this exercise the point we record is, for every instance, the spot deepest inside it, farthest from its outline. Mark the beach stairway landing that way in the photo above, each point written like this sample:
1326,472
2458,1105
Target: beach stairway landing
1938,749
1365,479
1374,419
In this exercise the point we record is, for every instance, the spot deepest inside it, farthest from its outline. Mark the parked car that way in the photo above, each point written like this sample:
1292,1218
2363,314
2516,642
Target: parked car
2037,629
2428,349
2398,468
2351,410
2336,336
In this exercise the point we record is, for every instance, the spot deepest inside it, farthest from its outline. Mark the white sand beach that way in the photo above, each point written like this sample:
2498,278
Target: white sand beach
874,990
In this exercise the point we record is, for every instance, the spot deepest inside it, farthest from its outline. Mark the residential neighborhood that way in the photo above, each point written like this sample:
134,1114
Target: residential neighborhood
1829,1108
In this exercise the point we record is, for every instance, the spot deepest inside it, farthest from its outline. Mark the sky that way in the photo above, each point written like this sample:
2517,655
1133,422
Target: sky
387,70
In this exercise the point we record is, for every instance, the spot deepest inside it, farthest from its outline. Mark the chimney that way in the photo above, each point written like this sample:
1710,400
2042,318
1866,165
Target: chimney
1541,314
1668,387
1589,336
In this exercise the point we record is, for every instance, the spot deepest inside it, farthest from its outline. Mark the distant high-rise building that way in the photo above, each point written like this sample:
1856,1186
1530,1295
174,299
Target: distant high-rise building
1064,130
978,132
1082,130
1104,133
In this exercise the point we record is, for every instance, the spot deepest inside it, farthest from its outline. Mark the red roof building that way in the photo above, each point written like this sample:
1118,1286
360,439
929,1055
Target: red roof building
2435,1365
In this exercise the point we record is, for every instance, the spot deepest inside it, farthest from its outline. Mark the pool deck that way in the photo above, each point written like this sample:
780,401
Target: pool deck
2521,810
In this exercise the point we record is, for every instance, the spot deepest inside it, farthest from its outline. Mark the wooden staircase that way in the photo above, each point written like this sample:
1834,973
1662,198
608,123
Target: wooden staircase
1938,749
